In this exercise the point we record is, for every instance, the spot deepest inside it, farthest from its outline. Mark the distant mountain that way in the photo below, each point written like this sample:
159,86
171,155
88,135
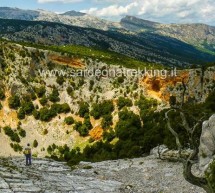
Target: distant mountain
69,18
15,13
73,13
135,24
150,47
198,35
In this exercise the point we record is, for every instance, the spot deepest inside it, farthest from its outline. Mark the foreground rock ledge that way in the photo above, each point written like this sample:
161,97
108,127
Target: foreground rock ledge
145,175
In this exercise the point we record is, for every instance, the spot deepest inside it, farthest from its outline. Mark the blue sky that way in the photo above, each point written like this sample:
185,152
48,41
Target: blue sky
165,11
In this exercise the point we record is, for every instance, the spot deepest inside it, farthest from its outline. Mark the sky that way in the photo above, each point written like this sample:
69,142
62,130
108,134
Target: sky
164,11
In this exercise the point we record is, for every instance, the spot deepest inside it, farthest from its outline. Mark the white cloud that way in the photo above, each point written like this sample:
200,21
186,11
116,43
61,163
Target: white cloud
60,1
168,11
113,10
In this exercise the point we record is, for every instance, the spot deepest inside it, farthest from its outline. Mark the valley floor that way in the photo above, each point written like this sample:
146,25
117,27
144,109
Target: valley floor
144,175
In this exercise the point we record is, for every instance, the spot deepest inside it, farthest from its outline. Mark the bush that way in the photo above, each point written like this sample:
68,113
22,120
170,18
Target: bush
69,120
129,125
21,114
69,90
124,102
54,96
16,147
210,175
14,102
35,144
60,80
107,121
84,109
36,114
2,95
45,114
84,128
13,135
40,91
22,132
101,109
43,100
27,107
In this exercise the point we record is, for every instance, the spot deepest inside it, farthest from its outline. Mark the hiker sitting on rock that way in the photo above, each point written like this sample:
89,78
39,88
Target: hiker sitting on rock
27,153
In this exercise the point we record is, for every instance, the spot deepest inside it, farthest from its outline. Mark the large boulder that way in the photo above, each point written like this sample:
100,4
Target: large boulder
207,143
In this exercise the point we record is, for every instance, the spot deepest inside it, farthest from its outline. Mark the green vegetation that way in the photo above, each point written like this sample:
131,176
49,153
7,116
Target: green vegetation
22,132
84,109
83,128
43,100
69,120
21,114
2,94
35,144
40,91
210,175
54,96
12,134
16,147
14,102
134,138
124,102
101,109
60,80
46,114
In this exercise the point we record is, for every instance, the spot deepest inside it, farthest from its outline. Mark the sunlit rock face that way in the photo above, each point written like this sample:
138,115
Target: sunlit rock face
207,143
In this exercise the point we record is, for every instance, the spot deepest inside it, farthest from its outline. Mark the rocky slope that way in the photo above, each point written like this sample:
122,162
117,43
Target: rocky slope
146,175
199,35
146,46
70,18
22,72
169,44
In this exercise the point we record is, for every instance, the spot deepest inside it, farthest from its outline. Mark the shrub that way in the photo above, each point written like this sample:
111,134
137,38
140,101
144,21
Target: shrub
36,114
101,109
129,125
54,96
84,128
35,144
2,95
69,90
13,135
16,147
60,80
45,114
124,102
14,102
107,121
21,114
69,120
22,132
84,109
27,107
40,91
210,175
43,100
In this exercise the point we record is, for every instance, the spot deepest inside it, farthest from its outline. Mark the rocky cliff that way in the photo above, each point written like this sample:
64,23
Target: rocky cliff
26,69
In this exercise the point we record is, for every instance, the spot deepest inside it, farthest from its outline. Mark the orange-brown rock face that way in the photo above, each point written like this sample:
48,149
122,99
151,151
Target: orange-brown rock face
195,80
69,61
96,133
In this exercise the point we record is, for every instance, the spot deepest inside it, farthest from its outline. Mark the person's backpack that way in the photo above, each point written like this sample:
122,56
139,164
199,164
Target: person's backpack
27,151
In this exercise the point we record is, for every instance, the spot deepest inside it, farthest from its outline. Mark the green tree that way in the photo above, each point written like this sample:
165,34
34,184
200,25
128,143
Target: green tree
14,102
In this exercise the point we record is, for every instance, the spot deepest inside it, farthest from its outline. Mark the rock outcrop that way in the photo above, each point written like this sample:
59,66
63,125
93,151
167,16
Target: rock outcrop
207,142
143,175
